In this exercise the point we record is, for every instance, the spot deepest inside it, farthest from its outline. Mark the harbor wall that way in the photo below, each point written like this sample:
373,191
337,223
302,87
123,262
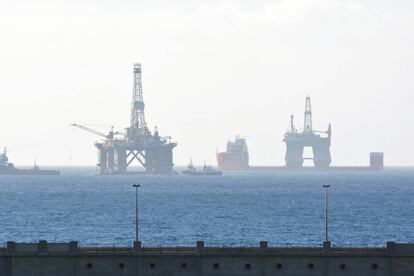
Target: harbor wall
18,259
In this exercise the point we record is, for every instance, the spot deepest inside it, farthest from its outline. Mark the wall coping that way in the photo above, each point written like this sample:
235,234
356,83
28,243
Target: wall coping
73,247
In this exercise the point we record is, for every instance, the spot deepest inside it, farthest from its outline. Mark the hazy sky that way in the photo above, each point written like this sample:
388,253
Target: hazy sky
211,70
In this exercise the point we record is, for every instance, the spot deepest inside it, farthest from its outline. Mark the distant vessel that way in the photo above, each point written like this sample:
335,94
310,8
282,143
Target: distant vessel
7,168
236,157
207,170
296,142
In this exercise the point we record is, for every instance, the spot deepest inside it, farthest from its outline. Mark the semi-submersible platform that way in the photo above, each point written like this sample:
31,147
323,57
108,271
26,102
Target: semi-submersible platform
118,150
320,141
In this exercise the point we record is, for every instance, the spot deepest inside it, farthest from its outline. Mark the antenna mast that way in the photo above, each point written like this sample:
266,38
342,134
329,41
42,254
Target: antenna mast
292,124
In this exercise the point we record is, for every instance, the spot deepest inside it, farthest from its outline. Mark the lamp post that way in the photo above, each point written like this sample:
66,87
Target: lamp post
326,187
136,186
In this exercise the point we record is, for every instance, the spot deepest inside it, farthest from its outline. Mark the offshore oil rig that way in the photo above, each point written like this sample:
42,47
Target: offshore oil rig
118,150
320,141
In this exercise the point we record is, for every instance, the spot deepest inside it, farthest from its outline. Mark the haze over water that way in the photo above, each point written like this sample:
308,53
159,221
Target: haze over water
237,209
211,69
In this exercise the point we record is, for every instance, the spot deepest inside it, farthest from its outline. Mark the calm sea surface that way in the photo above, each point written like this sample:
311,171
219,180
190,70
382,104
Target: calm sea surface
237,209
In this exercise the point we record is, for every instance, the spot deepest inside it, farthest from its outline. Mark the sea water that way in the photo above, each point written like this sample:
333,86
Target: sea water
366,208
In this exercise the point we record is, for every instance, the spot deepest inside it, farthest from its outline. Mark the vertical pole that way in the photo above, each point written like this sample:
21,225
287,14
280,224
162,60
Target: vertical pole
326,212
136,214
136,210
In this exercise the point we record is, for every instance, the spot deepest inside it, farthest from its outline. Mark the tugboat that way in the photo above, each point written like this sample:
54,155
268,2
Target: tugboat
7,168
207,170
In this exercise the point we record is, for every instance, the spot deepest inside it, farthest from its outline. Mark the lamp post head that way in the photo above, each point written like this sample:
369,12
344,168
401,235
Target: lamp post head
326,186
136,186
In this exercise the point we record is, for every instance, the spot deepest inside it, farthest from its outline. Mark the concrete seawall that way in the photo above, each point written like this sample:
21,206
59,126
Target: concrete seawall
69,259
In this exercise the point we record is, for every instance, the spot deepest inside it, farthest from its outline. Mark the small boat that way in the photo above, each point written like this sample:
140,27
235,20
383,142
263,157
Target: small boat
207,170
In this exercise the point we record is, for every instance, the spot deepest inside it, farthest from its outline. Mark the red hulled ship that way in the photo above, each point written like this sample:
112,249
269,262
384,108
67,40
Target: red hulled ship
236,157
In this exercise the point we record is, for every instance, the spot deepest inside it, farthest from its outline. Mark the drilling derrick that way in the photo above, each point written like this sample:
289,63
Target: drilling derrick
307,126
319,141
151,151
138,127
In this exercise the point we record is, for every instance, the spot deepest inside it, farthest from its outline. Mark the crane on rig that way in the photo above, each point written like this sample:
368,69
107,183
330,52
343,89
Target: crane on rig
111,134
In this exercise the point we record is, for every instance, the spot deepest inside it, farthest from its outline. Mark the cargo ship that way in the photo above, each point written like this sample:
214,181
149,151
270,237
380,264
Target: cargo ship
236,156
7,168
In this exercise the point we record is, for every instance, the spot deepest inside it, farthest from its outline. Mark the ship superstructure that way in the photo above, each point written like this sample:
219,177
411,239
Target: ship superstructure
4,161
319,141
236,156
